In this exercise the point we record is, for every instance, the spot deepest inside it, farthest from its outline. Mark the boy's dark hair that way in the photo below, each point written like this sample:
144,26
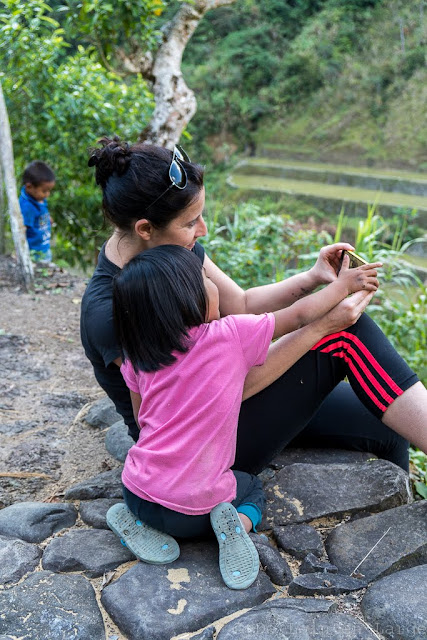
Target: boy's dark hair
37,172
157,297
134,180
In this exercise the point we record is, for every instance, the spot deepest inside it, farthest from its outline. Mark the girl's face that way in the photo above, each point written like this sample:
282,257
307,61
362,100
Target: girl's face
185,228
213,297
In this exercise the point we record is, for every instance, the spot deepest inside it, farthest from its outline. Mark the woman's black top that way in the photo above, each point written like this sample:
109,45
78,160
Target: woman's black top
99,339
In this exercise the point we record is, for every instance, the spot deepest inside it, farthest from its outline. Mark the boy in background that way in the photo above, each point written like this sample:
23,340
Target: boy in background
38,181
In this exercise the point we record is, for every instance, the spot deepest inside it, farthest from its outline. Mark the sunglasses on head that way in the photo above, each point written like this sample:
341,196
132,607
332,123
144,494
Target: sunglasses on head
177,173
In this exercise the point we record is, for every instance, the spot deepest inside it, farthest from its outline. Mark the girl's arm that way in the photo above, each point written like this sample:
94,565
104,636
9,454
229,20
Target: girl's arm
136,403
272,297
305,311
286,351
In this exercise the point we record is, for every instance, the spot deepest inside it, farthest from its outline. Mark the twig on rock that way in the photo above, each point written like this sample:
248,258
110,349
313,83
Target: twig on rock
23,474
369,552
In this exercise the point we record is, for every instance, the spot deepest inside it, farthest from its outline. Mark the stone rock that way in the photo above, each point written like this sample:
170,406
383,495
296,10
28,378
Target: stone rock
118,441
48,606
281,622
309,605
404,546
72,400
36,521
331,584
93,551
266,474
16,559
311,564
207,634
102,414
274,565
105,485
299,540
396,605
183,596
319,456
303,492
93,513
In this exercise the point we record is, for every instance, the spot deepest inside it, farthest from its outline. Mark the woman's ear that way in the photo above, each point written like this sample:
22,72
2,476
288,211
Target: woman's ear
143,229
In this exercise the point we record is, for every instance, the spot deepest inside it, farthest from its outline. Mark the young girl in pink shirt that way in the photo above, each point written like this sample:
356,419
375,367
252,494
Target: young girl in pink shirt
186,369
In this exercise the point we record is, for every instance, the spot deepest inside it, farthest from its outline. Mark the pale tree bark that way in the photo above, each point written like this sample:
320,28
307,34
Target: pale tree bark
16,222
175,102
2,216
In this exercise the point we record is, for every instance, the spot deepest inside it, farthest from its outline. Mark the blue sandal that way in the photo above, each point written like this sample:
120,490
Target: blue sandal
146,543
238,558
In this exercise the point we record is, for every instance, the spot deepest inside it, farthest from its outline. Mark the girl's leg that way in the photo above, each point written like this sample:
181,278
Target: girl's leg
175,524
249,499
274,417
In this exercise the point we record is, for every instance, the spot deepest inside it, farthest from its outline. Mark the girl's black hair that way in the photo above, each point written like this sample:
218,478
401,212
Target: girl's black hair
37,172
132,177
157,297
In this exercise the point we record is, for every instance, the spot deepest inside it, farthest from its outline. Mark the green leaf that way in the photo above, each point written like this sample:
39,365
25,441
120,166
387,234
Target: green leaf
421,489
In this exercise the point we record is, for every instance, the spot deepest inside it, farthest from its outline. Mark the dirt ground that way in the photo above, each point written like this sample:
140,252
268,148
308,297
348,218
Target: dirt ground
46,381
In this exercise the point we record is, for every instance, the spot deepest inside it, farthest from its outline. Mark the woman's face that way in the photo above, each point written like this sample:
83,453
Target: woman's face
185,228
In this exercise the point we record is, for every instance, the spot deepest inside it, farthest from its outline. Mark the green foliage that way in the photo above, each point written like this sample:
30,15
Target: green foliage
419,471
254,246
60,101
400,306
337,77
110,24
261,56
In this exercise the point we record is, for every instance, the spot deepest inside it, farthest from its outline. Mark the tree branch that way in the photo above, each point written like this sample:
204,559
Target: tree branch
175,101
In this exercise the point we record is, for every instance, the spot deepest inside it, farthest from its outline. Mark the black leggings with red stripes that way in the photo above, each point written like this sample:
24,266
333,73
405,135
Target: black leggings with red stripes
310,406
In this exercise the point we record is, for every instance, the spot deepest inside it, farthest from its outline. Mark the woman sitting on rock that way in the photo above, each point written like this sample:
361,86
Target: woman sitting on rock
155,197
186,367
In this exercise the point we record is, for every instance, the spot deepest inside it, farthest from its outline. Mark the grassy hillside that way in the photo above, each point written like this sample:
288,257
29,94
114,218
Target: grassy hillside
331,80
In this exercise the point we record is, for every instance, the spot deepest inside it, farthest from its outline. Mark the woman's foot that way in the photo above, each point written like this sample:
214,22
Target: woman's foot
146,543
238,558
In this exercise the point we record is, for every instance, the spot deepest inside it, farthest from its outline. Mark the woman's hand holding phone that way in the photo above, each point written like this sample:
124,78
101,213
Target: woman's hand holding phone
358,278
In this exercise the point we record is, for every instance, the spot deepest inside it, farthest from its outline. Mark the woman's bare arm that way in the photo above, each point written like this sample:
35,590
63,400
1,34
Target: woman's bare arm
287,350
272,297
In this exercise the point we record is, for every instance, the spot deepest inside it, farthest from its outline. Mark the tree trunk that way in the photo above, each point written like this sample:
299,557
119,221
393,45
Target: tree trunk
2,216
175,102
16,222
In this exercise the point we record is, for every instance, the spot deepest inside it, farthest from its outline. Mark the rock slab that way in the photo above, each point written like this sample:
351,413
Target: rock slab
48,606
277,623
274,565
16,559
396,605
299,540
93,552
105,485
36,521
293,455
404,544
183,596
93,512
102,414
118,441
303,492
310,584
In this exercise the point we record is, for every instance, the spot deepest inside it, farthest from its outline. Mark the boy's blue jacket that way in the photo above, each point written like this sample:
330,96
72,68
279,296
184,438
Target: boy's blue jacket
37,220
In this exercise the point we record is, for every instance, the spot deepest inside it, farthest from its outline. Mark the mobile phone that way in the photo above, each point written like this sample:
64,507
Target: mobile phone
355,260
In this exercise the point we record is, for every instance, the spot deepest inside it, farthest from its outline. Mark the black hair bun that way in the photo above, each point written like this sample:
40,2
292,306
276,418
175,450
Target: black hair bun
113,157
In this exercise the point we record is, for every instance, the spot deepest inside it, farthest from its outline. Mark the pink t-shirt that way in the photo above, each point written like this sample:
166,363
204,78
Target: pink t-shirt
188,416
